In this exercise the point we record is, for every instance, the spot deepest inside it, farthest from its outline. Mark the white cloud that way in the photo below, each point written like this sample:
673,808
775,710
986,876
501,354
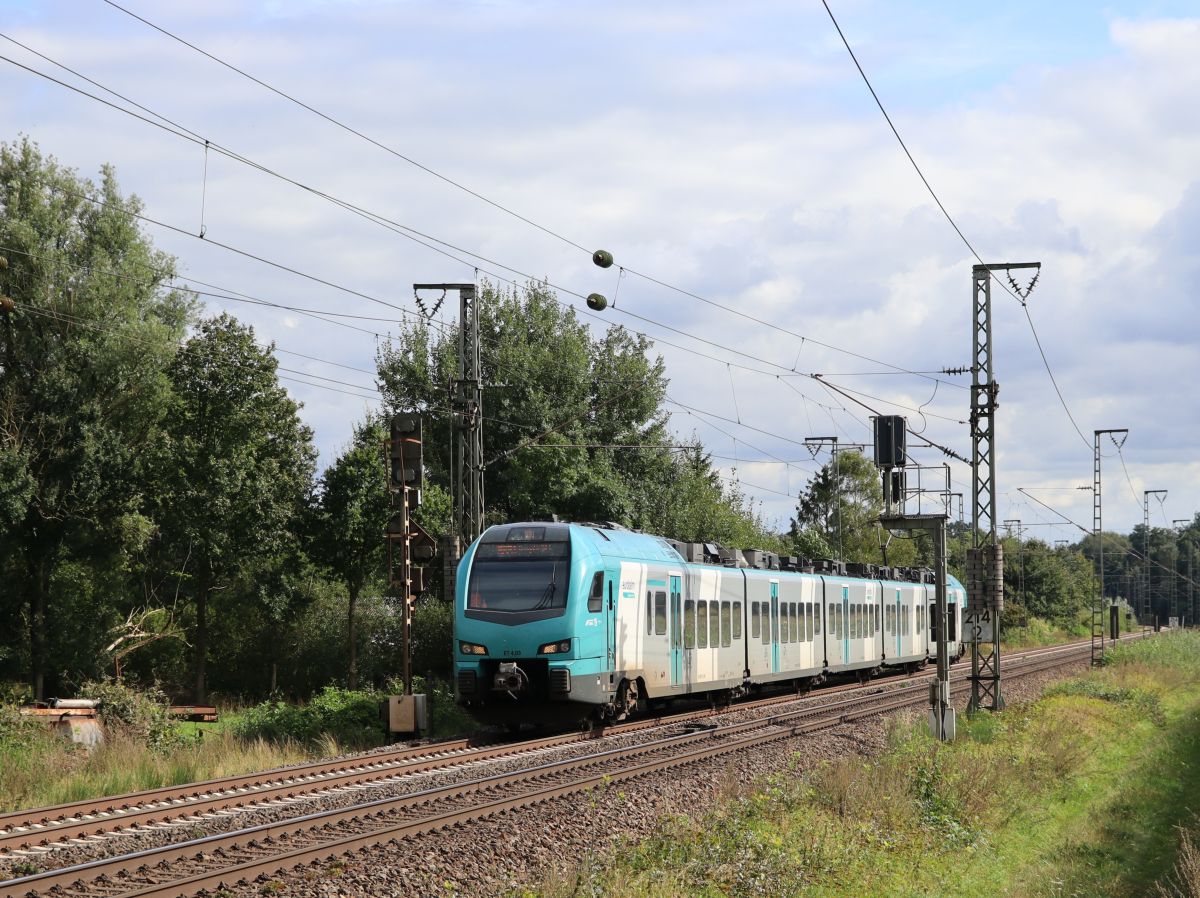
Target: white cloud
730,151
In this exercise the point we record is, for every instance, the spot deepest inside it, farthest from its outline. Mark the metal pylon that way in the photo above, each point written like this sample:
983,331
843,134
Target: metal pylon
466,401
987,584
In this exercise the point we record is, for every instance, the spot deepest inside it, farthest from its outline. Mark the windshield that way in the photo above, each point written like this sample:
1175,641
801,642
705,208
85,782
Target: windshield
519,576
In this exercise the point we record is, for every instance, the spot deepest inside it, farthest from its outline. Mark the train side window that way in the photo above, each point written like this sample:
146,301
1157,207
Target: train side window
689,624
596,596
660,613
649,613
920,622
878,618
808,622
702,625
726,630
714,624
817,618
770,618
737,620
785,623
755,620
904,621
854,621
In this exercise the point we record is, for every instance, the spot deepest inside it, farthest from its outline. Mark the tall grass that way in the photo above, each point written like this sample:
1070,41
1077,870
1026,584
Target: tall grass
44,768
1077,794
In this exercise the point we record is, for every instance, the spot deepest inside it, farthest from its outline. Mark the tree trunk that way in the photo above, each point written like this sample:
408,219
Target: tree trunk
203,588
40,587
352,674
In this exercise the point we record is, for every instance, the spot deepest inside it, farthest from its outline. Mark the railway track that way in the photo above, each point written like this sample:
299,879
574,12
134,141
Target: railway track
242,855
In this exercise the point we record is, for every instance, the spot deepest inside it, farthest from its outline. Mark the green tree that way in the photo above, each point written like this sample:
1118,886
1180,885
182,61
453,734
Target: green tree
353,510
840,507
235,470
83,393
574,425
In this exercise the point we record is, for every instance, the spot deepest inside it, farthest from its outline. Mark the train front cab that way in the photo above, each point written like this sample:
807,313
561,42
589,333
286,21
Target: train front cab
534,623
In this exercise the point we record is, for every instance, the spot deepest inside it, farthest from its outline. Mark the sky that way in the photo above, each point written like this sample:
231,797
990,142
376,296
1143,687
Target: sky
730,151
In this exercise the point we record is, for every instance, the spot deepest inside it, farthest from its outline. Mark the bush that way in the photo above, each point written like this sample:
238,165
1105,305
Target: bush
351,717
143,716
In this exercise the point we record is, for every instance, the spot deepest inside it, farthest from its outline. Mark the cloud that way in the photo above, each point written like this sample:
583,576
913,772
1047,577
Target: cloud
729,150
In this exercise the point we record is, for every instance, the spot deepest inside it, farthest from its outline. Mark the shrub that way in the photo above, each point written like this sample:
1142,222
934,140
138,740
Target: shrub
142,715
350,717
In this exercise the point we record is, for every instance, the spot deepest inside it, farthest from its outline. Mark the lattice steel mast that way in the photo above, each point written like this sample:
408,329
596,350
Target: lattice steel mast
1098,530
985,560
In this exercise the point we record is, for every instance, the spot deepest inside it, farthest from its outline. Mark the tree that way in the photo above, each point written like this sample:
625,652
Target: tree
83,392
235,468
840,506
353,510
574,423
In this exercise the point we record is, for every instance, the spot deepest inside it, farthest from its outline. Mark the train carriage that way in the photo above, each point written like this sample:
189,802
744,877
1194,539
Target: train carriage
555,621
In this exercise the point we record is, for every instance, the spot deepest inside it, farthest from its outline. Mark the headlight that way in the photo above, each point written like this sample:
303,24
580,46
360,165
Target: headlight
555,648
470,648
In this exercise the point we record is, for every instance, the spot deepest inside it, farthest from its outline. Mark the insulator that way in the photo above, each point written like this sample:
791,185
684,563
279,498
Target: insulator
596,302
603,258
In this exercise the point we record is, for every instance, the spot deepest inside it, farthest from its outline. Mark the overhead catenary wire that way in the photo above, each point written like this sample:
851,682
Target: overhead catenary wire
945,212
362,295
167,274
174,128
373,217
1119,549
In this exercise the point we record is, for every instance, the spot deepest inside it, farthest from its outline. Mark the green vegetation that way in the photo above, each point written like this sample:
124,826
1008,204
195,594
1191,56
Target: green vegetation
162,519
1078,794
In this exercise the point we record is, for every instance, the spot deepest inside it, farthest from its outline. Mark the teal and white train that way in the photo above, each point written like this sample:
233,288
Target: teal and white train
557,622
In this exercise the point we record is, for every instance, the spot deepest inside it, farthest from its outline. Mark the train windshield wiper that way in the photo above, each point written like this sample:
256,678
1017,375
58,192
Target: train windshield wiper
547,599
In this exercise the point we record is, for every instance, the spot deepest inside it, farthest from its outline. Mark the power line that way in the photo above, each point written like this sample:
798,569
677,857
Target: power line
165,273
929,187
357,293
401,229
1119,548
350,129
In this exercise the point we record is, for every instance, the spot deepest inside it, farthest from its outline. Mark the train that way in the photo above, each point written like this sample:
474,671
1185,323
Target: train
560,622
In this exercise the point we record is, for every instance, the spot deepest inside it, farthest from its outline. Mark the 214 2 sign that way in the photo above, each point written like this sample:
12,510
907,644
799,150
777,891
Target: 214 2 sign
978,625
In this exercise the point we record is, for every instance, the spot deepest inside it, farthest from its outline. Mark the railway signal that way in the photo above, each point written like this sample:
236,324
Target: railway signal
407,545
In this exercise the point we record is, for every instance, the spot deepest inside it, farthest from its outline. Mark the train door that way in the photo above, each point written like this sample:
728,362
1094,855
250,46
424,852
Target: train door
896,625
845,624
610,610
676,632
774,626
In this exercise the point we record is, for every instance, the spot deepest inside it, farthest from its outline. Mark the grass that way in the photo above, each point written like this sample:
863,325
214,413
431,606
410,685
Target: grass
39,767
1088,792
44,768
